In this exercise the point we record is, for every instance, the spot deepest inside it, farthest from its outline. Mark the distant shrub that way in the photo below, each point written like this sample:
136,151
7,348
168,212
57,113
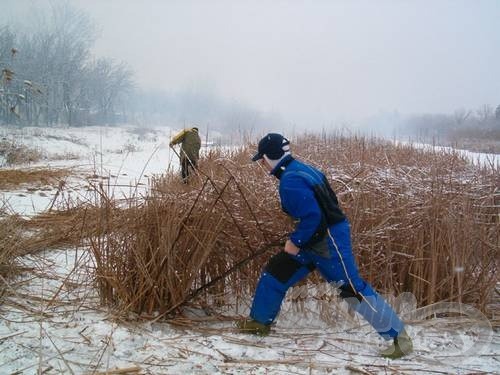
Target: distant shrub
478,140
145,134
14,153
130,147
475,133
64,156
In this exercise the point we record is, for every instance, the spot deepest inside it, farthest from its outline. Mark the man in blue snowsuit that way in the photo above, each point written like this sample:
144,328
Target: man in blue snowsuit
321,240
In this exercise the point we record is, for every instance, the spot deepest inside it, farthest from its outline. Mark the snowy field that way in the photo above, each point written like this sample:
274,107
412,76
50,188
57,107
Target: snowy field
125,157
51,321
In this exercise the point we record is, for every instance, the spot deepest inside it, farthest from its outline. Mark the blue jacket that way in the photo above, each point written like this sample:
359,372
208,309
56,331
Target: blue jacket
307,196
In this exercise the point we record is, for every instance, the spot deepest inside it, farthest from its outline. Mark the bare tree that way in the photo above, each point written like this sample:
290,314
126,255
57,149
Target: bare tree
9,93
109,83
484,114
53,73
72,35
461,115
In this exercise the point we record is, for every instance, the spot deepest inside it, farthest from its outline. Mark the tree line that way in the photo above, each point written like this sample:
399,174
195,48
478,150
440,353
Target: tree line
483,122
49,76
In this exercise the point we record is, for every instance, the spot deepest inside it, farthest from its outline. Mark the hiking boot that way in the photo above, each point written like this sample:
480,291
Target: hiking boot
401,346
253,327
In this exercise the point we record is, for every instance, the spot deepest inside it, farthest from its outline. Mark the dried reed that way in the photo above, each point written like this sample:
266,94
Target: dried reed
423,221
10,238
173,245
13,178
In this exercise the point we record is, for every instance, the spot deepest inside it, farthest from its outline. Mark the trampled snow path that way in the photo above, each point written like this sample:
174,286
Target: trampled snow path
51,321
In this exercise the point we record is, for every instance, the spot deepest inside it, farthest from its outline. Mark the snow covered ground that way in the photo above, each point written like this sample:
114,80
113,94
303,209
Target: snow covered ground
476,158
51,321
124,156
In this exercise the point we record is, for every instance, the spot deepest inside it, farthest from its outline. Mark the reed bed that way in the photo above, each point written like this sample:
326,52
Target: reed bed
423,221
185,241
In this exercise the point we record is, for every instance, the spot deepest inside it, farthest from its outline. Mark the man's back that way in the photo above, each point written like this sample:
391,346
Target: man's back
190,143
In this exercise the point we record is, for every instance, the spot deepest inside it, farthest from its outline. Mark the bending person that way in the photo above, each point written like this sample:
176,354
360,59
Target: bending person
321,240
190,150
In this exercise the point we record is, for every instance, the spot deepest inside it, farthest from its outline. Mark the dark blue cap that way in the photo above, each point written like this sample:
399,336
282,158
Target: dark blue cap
273,146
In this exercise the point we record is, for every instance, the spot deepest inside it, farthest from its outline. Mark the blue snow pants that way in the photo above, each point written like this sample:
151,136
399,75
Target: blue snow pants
285,270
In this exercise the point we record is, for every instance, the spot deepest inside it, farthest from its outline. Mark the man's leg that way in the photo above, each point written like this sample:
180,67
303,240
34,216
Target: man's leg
341,267
184,168
192,165
282,271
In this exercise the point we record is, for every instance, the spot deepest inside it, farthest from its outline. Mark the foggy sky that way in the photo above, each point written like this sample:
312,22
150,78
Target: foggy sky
312,61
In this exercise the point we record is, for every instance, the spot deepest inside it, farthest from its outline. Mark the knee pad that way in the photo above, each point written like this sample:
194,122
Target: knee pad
346,292
283,266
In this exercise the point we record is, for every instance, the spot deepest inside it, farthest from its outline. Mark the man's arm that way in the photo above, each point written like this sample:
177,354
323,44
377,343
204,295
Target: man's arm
299,201
178,138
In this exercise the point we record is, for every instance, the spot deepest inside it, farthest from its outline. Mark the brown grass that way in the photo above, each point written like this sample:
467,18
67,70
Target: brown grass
10,238
13,178
170,247
15,241
425,222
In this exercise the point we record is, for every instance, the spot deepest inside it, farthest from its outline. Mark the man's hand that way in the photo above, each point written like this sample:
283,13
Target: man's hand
290,248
